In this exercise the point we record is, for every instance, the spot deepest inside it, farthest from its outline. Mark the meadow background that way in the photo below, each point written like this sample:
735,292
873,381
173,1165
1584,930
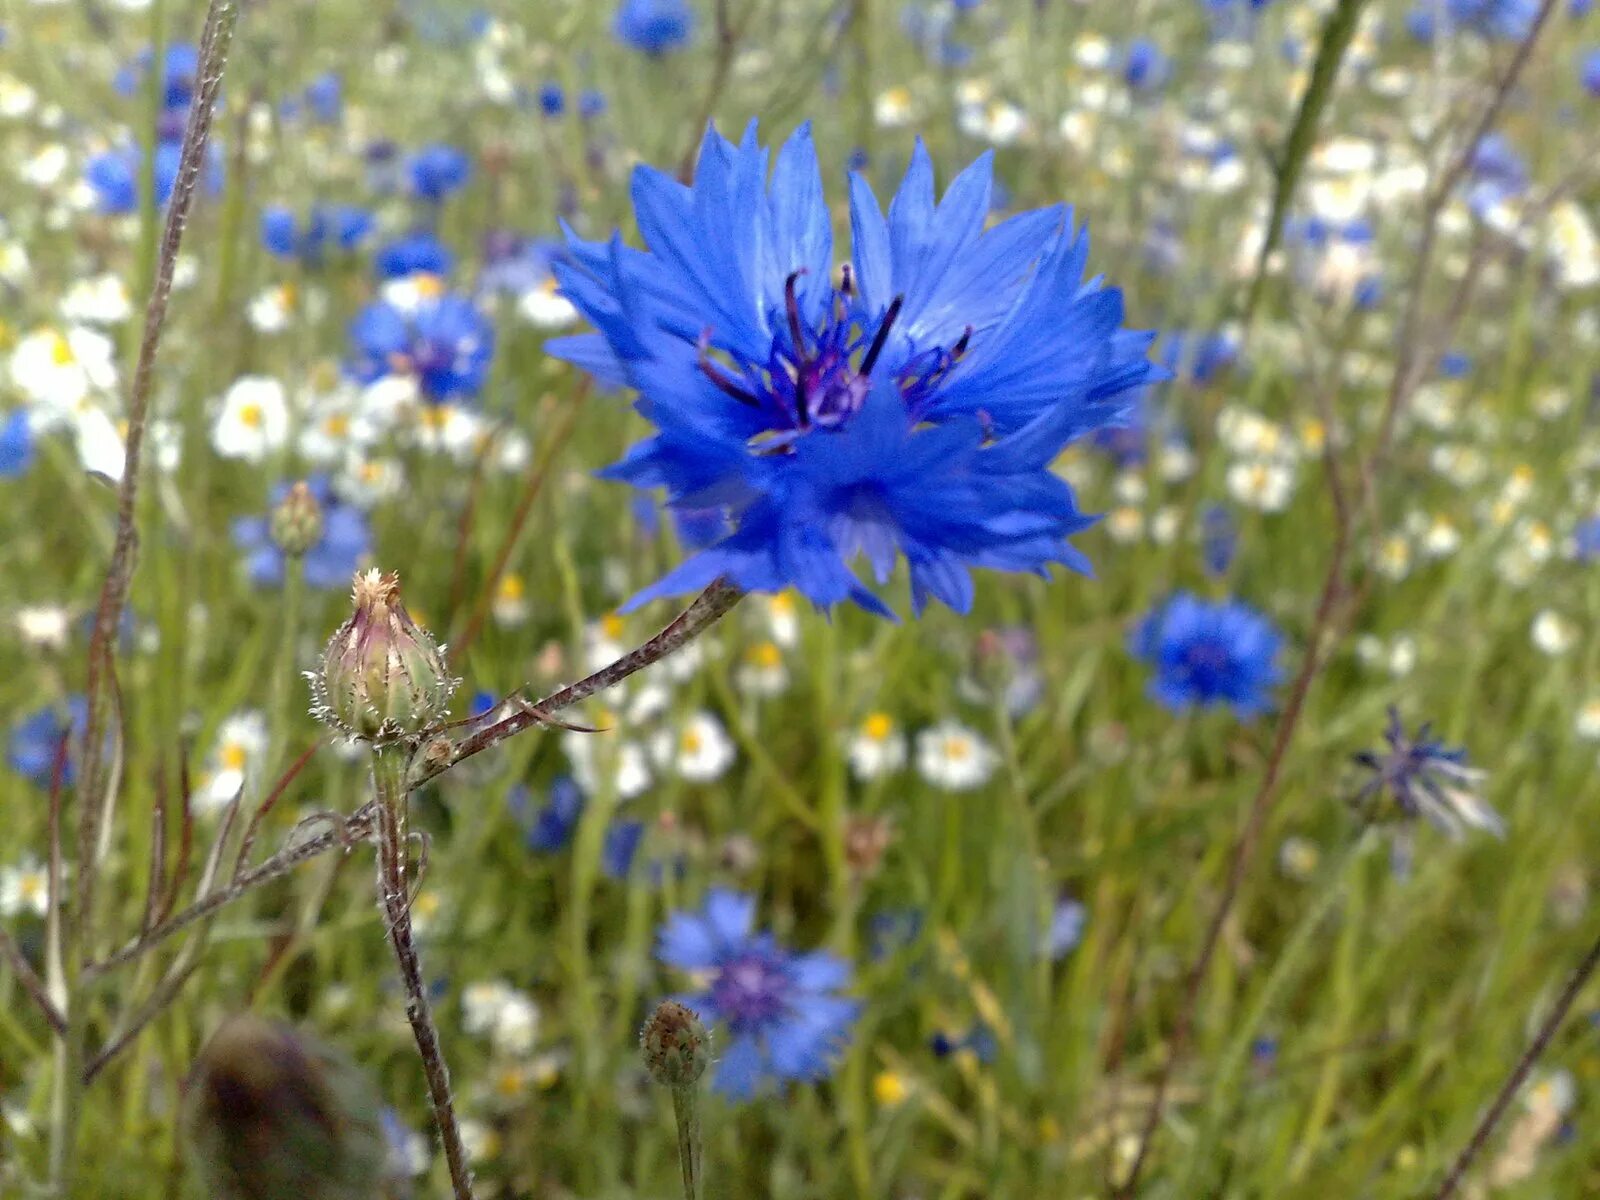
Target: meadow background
1016,848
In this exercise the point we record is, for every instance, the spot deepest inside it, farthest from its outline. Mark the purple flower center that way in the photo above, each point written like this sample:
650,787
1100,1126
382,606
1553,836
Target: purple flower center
749,992
819,377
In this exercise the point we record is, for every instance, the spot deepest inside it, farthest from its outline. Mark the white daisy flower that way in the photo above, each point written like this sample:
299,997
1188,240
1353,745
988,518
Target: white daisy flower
877,748
254,421
953,757
699,750
24,888
241,746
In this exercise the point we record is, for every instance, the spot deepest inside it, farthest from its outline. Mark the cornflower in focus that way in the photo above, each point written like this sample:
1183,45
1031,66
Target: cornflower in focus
908,404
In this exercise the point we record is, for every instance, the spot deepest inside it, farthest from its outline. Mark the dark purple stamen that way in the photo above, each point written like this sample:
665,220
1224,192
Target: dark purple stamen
791,304
723,383
881,337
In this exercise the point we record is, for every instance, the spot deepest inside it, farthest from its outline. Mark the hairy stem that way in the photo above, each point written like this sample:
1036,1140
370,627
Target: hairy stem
709,607
394,897
686,1112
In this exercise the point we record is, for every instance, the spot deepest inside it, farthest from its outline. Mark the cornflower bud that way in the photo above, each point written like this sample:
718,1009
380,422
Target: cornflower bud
383,678
296,524
273,1114
675,1044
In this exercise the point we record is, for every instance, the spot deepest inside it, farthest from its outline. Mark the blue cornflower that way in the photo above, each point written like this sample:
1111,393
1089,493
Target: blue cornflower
1144,67
36,740
591,103
441,340
552,826
412,254
653,26
1498,20
784,1018
340,226
1586,540
16,444
1423,777
325,98
1206,654
180,68
1495,174
1219,538
552,100
1589,71
330,563
438,171
620,846
912,409
116,176
1199,357
1067,921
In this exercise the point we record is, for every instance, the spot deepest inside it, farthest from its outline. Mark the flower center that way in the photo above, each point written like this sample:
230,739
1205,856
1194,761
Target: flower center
818,377
749,991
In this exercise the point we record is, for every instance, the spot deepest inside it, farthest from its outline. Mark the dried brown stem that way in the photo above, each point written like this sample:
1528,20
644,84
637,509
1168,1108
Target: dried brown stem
30,981
537,476
355,828
1519,1073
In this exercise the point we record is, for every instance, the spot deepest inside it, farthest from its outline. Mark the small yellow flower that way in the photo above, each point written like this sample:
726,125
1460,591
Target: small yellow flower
889,1089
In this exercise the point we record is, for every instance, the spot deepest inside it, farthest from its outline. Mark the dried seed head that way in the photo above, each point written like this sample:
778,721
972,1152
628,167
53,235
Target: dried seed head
676,1046
273,1114
383,678
296,523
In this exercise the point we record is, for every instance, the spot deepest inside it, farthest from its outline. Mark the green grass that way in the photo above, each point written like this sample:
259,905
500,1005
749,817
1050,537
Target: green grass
1396,1005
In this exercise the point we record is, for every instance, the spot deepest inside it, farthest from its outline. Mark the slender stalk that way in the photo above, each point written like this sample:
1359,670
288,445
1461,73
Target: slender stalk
686,1112
1336,37
1519,1073
394,896
30,981
727,43
537,476
215,39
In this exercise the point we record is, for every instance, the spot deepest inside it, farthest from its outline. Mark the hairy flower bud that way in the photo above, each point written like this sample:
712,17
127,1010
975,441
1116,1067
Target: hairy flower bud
296,524
676,1046
272,1114
383,678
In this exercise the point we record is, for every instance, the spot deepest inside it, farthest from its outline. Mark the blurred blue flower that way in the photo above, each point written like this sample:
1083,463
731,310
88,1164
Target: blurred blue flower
1589,71
180,66
16,444
1495,174
438,171
591,103
1499,20
330,563
620,846
1067,921
1219,537
914,409
784,1017
1144,67
653,26
1199,357
325,98
36,740
1206,654
552,826
339,226
116,176
1586,540
552,100
443,342
413,253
